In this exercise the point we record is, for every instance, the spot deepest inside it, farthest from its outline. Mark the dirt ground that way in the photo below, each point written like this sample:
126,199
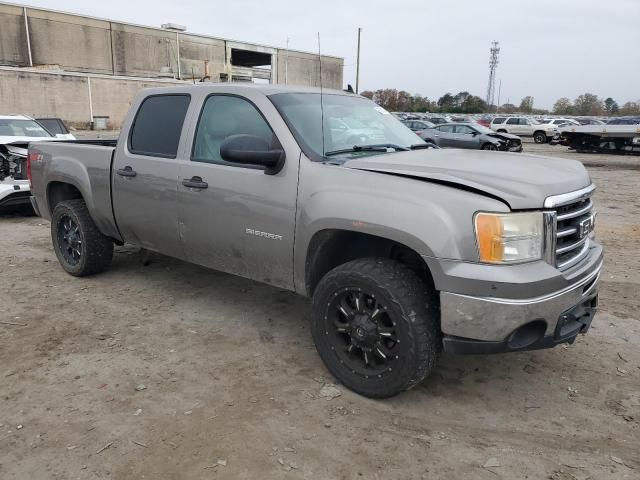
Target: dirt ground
174,371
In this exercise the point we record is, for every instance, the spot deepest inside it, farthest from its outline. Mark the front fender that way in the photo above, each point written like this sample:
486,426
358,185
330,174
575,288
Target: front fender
432,219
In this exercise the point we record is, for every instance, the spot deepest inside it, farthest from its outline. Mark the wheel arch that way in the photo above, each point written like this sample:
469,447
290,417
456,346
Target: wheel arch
62,189
58,191
332,247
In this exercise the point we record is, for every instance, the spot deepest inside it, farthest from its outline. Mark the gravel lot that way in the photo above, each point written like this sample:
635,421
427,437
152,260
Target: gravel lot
174,371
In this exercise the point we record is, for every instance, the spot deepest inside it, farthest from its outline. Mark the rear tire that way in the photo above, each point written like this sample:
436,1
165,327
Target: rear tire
80,247
376,326
540,137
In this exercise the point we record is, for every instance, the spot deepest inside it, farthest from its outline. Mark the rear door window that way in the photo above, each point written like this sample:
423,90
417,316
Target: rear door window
498,121
446,128
158,125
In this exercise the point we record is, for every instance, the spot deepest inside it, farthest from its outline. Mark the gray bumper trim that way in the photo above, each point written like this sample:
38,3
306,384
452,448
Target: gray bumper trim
493,319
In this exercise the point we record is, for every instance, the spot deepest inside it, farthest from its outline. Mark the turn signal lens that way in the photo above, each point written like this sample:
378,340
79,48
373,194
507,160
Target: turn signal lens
510,237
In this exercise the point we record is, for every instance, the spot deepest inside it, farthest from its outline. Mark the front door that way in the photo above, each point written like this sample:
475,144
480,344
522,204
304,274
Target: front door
465,137
236,218
145,175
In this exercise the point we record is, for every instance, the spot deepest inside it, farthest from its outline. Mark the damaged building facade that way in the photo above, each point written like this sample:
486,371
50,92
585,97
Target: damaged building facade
77,68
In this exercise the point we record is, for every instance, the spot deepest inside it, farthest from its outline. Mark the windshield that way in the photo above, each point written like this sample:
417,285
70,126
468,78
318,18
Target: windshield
21,128
348,121
482,129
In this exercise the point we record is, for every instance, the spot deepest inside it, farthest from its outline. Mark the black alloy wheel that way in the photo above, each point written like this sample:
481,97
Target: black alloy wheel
69,239
376,326
363,331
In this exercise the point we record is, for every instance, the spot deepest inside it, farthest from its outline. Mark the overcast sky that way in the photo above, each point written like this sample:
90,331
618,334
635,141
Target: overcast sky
550,48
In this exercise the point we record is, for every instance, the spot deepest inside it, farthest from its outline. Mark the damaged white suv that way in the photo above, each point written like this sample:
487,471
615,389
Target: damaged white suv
16,132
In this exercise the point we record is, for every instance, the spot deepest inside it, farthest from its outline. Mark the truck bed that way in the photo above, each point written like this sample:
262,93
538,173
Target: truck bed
86,164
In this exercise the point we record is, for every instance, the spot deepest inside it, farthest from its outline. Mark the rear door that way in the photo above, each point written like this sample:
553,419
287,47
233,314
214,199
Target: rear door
444,136
512,125
233,217
145,175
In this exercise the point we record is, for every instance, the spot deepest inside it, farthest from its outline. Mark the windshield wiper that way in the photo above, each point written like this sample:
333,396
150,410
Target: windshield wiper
421,146
379,147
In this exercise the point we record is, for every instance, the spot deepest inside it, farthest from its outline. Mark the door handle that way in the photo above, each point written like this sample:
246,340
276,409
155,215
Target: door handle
195,182
126,172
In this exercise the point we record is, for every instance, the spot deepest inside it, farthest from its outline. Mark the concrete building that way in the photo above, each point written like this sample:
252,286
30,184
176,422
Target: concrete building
77,67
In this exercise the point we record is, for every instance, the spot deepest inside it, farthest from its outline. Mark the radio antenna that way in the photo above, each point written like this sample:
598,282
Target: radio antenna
321,102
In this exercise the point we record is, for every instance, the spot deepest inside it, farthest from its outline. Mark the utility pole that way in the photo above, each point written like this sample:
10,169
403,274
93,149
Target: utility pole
499,92
286,65
358,63
493,64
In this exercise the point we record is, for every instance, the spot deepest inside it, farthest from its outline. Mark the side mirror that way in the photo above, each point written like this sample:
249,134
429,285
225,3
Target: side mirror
474,133
252,150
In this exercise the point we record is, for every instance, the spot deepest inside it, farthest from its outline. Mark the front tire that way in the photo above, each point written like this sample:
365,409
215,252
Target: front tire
540,137
489,146
80,247
375,326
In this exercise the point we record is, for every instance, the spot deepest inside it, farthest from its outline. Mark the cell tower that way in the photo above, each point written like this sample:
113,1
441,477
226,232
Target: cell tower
493,64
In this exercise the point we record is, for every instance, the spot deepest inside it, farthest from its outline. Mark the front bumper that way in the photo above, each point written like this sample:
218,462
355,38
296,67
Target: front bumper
494,322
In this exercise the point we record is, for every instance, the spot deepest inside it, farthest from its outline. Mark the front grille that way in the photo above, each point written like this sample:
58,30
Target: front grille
574,222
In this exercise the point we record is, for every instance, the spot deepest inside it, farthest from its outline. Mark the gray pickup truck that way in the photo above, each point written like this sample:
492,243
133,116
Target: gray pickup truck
405,250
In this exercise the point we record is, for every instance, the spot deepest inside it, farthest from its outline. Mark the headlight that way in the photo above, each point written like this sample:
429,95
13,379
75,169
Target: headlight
509,237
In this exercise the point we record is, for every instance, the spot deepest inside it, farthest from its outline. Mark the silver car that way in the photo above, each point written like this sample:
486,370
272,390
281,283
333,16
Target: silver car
471,135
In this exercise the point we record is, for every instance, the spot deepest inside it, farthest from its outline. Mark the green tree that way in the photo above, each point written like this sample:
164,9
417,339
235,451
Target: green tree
474,104
611,106
526,105
588,104
445,102
563,106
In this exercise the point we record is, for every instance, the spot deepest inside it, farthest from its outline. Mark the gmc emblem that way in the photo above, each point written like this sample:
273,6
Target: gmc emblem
585,227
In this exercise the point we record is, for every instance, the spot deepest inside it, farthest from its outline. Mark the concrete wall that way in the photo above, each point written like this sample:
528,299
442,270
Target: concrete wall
67,96
304,69
83,44
13,38
71,42
109,51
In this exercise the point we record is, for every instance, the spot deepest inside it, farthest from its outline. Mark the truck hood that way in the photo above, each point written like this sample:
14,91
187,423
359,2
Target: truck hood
521,181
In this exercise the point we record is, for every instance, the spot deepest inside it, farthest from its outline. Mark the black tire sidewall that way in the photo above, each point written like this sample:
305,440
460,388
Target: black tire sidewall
97,249
541,136
63,210
404,369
